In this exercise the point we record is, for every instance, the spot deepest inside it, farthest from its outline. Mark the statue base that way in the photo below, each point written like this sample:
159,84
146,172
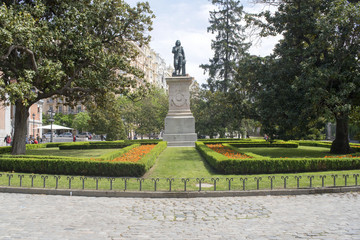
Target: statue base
179,122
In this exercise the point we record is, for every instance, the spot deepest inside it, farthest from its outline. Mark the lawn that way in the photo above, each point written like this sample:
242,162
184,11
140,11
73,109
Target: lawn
176,164
86,153
300,152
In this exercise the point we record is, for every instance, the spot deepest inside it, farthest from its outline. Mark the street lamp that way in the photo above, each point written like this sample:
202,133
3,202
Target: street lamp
33,115
51,120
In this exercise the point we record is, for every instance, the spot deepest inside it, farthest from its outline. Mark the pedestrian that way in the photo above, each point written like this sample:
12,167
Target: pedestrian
102,137
74,138
37,138
7,140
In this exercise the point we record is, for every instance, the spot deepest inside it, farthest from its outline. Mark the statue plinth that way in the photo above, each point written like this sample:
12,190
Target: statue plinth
179,122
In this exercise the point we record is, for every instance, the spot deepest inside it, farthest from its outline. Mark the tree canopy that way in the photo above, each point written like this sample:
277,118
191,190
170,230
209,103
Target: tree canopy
78,49
314,69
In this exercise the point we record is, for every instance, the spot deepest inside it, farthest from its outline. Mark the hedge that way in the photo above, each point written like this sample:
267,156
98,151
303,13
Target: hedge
93,145
265,165
81,166
269,145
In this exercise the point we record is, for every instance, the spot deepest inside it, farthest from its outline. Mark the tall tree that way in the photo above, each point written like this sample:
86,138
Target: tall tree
147,115
319,55
78,49
229,45
105,118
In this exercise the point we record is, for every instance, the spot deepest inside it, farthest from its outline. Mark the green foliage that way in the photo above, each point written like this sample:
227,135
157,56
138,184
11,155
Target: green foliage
105,118
314,70
59,119
229,45
265,165
81,122
74,49
147,115
101,166
93,145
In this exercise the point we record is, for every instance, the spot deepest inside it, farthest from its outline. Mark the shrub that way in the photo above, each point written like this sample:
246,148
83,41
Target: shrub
265,165
81,166
93,145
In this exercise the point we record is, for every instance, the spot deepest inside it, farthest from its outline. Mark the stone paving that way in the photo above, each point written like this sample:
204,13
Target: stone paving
327,216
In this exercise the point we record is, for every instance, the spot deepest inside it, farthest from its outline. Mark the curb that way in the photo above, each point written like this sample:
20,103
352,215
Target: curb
193,194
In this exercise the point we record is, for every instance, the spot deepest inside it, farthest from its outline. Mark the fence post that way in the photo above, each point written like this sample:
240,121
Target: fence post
9,176
110,179
44,179
185,180
310,178
125,182
170,180
57,181
70,178
83,181
214,181
298,181
257,179
271,181
200,180
21,177
322,180
334,176
155,180
97,182
284,178
32,179
140,180
243,180
356,179
346,177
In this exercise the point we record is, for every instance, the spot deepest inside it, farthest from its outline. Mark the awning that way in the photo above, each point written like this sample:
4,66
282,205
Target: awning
55,127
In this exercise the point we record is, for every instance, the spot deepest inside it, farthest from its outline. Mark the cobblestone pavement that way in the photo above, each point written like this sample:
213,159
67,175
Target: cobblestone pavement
328,216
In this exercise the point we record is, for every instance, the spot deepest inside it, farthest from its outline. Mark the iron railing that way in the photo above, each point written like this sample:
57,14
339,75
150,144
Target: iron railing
239,183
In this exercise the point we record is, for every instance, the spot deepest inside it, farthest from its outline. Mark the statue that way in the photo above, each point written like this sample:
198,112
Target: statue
179,59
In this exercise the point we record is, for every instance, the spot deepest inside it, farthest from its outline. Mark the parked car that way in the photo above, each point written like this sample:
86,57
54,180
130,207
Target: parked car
84,135
66,134
48,135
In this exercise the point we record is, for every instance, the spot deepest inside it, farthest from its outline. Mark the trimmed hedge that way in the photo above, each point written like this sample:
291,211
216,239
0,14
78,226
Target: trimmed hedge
269,145
81,166
93,145
265,165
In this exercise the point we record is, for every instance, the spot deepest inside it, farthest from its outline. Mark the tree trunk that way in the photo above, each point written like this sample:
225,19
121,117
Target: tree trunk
341,143
21,117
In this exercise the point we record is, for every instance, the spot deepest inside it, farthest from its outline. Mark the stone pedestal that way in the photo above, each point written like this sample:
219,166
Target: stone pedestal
179,122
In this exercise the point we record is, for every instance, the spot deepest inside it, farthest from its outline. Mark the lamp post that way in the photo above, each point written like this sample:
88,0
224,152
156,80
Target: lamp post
51,120
33,115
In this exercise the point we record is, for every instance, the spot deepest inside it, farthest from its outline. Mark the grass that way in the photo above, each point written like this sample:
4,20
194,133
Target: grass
174,164
300,152
86,153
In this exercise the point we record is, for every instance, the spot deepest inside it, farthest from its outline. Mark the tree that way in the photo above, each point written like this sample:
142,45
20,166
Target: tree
81,121
319,58
60,119
229,45
147,115
105,118
77,49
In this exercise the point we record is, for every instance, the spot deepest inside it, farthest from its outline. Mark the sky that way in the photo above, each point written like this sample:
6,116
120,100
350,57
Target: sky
187,21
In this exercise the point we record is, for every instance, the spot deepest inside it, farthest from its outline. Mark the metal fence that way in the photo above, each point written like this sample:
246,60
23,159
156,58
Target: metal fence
239,183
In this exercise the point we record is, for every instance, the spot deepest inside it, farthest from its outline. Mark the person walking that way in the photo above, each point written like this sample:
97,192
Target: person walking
7,140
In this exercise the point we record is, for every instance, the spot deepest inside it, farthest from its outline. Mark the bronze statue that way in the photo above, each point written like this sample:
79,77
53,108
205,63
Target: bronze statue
179,59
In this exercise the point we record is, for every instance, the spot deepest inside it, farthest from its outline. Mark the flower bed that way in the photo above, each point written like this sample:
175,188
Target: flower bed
230,153
135,154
